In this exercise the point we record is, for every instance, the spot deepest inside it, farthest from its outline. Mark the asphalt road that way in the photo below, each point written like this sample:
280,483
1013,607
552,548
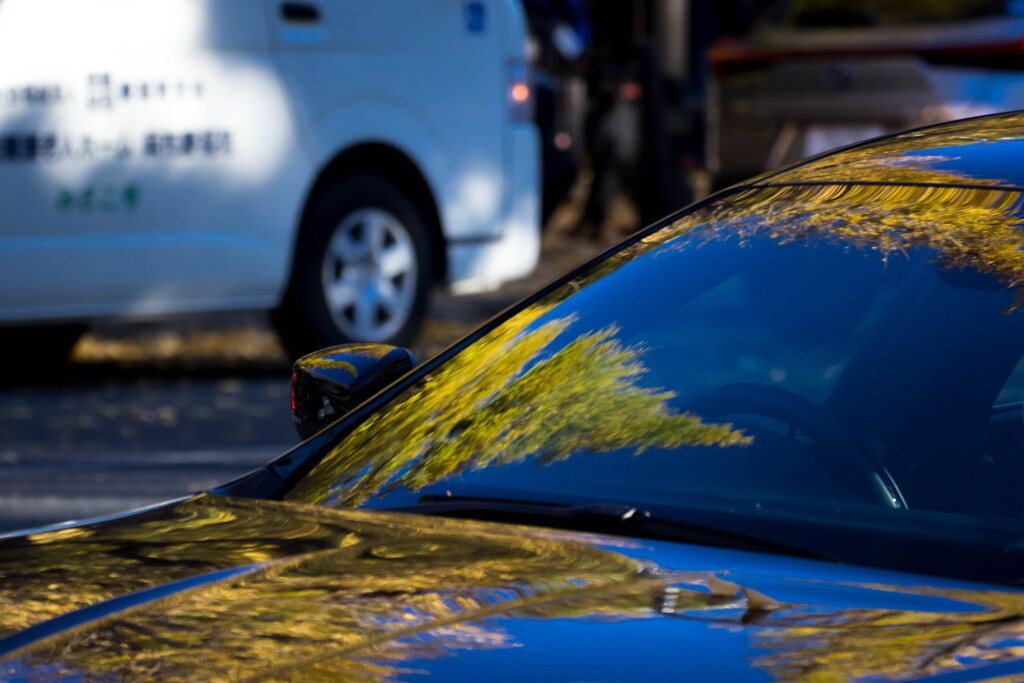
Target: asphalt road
150,412
99,442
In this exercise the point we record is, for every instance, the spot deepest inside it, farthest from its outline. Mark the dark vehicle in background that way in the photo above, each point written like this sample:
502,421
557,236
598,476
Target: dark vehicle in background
779,435
817,74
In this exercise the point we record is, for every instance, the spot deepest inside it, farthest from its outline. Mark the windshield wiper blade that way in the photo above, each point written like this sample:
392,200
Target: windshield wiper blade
607,518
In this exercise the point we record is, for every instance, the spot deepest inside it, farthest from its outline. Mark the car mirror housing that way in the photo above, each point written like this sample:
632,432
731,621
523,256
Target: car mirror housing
328,383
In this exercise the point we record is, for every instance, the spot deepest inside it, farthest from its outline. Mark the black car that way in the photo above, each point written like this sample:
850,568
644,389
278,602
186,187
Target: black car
778,435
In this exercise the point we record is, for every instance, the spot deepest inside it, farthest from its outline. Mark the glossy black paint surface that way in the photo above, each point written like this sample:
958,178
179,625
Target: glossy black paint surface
219,589
330,382
824,362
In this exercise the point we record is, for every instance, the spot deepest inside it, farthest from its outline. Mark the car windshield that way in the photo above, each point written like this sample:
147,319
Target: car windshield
837,368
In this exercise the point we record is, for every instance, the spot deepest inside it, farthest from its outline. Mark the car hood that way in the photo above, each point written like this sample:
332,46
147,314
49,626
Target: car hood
220,588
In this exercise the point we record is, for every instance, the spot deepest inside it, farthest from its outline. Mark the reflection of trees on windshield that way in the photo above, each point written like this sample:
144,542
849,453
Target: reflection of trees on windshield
866,165
966,227
484,407
901,159
504,398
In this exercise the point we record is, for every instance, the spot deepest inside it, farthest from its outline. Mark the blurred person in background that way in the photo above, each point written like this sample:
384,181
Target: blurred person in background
560,41
613,121
647,92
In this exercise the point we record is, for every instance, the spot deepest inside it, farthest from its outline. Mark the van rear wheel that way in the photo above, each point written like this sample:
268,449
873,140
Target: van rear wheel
362,268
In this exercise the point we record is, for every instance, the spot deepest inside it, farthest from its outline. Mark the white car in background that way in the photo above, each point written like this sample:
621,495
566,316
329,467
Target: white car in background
331,161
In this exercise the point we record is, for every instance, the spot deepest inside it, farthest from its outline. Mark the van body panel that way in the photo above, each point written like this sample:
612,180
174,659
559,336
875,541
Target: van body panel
175,179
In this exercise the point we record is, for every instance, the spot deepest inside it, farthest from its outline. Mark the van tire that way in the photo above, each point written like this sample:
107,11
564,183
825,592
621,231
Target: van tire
362,269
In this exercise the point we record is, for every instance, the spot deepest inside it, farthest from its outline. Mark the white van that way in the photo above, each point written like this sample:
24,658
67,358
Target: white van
330,160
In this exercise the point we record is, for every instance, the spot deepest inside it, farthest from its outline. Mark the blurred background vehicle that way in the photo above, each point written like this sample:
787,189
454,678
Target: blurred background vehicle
331,161
817,74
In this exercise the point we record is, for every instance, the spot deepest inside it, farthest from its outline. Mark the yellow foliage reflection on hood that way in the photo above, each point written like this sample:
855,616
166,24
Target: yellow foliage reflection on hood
332,583
487,407
357,595
891,644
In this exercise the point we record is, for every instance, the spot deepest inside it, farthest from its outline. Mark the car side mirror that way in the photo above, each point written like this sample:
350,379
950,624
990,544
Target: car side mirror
331,382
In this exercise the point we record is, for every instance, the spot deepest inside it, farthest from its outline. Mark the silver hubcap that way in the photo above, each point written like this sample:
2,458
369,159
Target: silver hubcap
369,275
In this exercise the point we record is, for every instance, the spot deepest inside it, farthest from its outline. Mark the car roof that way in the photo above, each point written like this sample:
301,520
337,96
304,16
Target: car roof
984,151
